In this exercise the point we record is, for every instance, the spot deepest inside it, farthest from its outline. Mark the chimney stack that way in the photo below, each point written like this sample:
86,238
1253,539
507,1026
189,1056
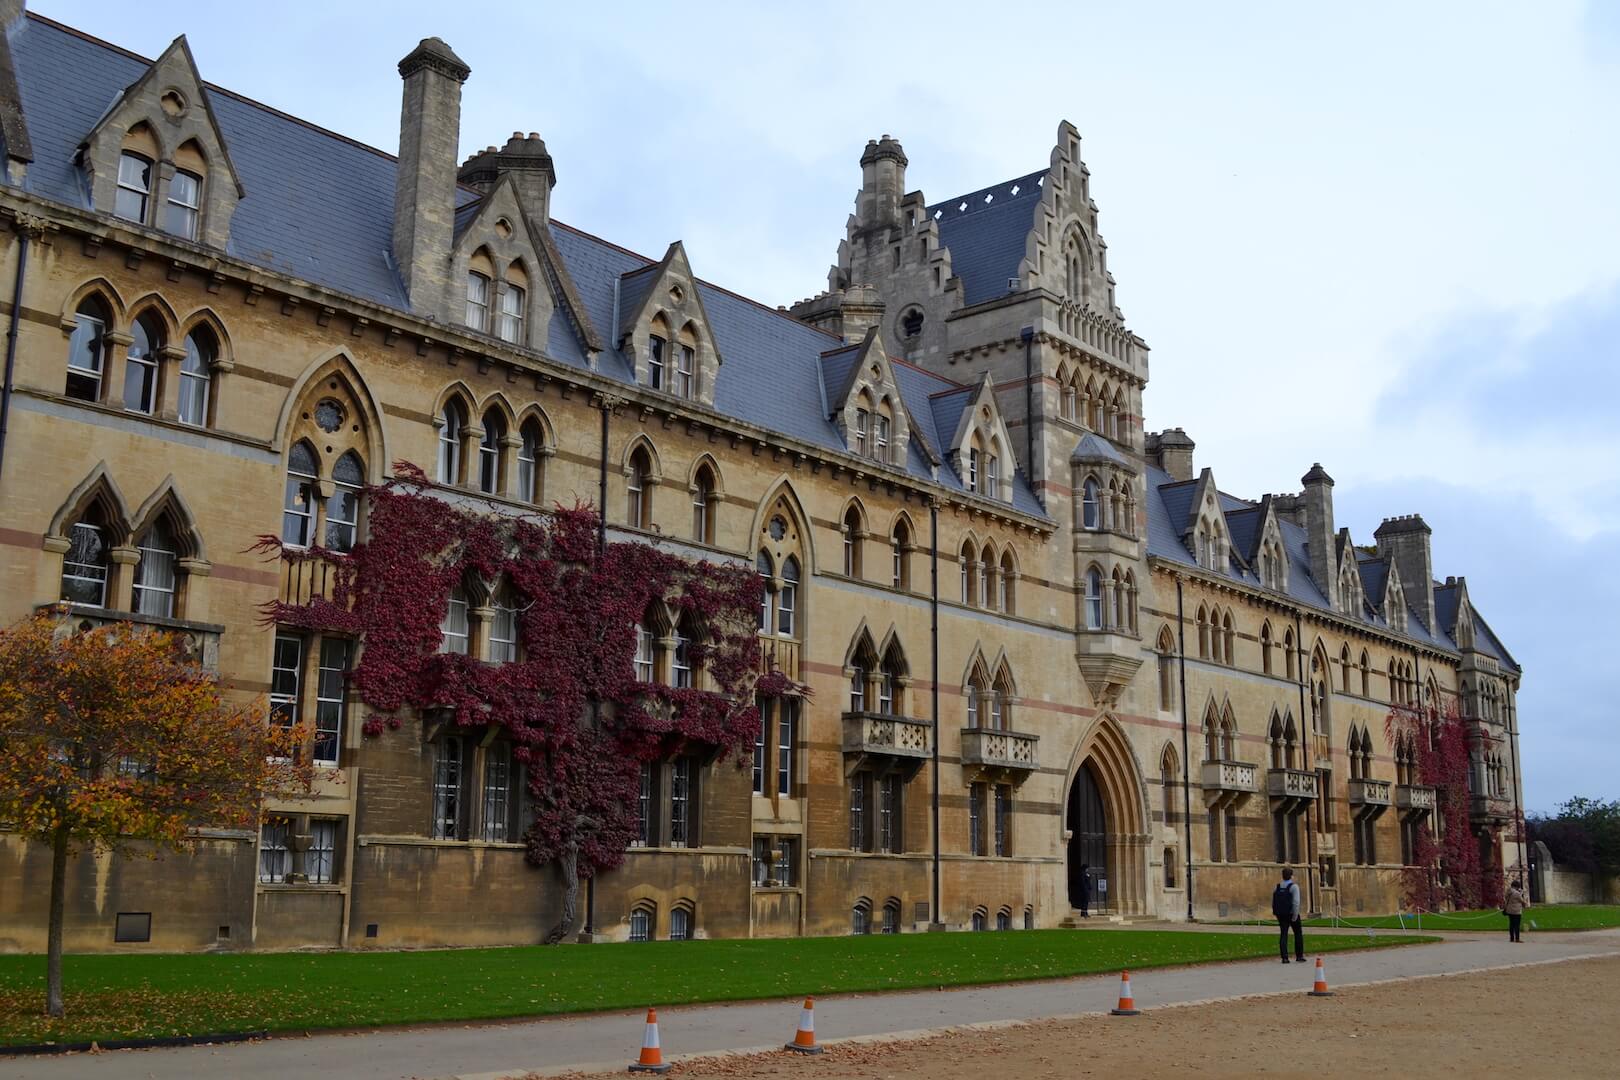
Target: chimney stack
1404,541
425,181
1172,451
1318,496
849,313
525,160
883,181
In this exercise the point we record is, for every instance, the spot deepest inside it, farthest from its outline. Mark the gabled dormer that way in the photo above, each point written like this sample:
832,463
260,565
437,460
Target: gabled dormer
866,404
1352,597
1270,556
1205,532
503,280
981,447
664,331
157,157
1393,602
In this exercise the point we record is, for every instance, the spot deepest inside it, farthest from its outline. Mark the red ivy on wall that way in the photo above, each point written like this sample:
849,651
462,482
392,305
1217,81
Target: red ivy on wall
1446,870
577,716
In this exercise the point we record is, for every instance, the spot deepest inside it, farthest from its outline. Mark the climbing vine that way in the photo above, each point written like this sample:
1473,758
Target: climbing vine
577,716
1446,868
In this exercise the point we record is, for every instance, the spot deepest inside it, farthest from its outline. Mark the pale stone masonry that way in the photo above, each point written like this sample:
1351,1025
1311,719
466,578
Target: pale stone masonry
232,320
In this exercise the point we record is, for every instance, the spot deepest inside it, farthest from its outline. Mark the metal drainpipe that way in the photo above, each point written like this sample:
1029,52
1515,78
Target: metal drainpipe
1304,711
601,548
1186,764
1028,337
933,632
1518,809
11,338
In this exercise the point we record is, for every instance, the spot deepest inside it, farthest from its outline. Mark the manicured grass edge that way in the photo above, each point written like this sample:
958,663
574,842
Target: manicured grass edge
34,1049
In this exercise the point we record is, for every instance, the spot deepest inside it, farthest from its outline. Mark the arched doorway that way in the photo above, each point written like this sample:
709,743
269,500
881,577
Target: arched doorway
1106,815
1088,841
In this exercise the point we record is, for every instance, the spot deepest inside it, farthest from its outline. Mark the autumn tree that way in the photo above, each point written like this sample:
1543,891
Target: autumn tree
112,738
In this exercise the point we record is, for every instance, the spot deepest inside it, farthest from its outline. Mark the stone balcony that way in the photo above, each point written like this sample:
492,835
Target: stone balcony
198,642
1228,782
1370,798
1414,798
1108,660
883,743
1490,808
998,755
1290,789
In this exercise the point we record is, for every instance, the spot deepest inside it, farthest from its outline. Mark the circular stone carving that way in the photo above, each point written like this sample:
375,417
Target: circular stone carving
328,415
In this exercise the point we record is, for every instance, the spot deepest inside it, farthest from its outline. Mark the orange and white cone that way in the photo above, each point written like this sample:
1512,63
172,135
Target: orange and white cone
1127,1004
1320,989
652,1058
804,1040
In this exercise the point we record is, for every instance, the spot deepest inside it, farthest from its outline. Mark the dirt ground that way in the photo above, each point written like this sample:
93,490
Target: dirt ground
1556,1020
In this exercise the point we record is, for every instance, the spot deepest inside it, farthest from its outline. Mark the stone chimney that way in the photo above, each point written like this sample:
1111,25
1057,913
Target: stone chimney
883,181
849,313
1404,541
1318,496
425,180
525,160
1172,451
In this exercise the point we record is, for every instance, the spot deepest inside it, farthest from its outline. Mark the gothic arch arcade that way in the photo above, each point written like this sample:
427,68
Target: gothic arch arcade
1104,824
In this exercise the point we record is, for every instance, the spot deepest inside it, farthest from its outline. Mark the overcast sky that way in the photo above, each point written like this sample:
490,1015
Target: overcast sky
1385,237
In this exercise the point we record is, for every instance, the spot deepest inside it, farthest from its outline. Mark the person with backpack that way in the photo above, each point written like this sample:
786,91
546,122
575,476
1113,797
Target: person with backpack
1285,906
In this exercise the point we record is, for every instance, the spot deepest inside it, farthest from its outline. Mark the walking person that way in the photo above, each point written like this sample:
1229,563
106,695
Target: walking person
1514,904
1285,906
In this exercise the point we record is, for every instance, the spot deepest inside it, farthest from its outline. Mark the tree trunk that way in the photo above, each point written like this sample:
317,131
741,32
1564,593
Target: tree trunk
53,948
569,862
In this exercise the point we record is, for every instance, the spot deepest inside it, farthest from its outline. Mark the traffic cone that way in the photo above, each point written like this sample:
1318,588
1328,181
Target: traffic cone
804,1040
652,1058
1320,989
1127,1004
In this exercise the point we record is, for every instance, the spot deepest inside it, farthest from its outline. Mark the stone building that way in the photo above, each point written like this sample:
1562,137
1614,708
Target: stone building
1036,634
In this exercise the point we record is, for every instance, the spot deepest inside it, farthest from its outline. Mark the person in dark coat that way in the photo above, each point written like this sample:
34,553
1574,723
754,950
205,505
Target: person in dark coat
1085,891
1285,906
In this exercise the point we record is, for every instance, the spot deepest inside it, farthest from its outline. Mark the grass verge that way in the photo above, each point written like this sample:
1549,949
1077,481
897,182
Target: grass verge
132,997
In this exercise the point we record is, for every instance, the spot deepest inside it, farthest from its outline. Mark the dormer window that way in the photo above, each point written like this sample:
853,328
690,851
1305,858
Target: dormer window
512,306
992,475
656,349
477,301
134,187
863,423
185,204
881,437
685,363
973,469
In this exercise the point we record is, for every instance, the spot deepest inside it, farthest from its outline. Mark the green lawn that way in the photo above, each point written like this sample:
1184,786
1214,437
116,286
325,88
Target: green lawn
1551,917
121,997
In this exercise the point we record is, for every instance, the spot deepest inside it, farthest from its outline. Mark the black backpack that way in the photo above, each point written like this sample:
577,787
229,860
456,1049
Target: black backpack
1282,901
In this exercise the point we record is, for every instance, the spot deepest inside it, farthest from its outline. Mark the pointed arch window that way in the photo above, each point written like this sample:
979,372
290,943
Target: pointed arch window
639,498
298,505
703,506
196,375
490,451
787,598
1091,511
859,676
528,463
503,627
967,563
987,564
767,574
1167,784
1265,648
85,565
657,348
644,658
975,693
1094,599
1006,583
141,366
453,628
185,204
852,543
514,302
680,658
477,301
900,544
1167,673
452,422
155,573
685,363
87,350
343,508
134,187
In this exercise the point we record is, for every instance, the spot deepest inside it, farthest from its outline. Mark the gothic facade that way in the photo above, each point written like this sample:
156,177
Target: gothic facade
1036,635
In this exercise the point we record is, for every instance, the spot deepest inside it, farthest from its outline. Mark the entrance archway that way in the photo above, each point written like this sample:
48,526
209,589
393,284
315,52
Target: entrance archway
1088,841
1106,816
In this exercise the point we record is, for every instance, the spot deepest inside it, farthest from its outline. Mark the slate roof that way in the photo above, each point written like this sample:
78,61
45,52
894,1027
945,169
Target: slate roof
1168,505
985,231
